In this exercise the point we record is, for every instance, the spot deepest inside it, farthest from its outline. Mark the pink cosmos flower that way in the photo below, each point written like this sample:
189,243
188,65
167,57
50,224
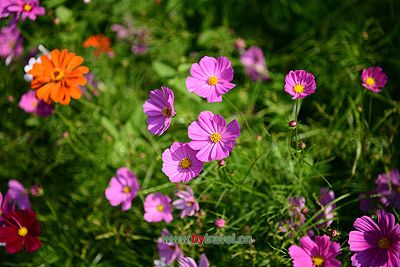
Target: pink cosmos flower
159,109
373,78
30,104
319,253
168,252
157,208
180,163
122,189
6,205
212,137
389,187
186,202
375,244
219,223
327,196
300,84
211,78
19,194
26,9
254,62
189,262
11,43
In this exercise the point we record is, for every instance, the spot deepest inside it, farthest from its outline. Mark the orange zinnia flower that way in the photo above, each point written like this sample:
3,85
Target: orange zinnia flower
58,76
102,44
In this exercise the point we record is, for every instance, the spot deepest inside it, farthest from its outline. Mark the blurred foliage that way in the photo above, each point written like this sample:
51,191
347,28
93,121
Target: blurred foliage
350,138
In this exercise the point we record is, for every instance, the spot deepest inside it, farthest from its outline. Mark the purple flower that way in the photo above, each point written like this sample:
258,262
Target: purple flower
122,189
159,109
11,43
168,252
189,262
254,62
139,49
26,9
327,196
180,163
300,84
219,223
122,32
375,244
3,8
367,203
186,202
19,194
30,104
389,187
157,208
373,78
212,137
296,215
319,253
211,78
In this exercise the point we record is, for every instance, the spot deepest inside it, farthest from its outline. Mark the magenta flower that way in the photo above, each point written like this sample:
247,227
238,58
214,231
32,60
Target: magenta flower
159,109
373,78
319,253
186,202
6,205
296,215
26,9
122,189
19,194
219,223
212,137
211,78
253,61
3,8
327,196
30,104
11,43
168,252
157,208
139,49
299,84
180,163
375,244
389,187
189,262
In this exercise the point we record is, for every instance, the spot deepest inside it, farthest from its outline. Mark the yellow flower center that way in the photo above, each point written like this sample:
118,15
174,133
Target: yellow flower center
212,80
384,243
27,7
126,189
166,112
35,104
22,231
318,261
185,163
160,207
370,81
189,204
215,137
298,88
57,75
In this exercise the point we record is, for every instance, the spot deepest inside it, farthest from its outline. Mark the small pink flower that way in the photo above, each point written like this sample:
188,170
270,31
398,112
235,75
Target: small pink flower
327,196
253,61
189,262
373,79
6,205
375,244
157,208
186,202
18,193
219,223
122,189
319,253
300,84
180,163
211,78
388,185
212,137
159,109
30,104
36,190
26,8
168,252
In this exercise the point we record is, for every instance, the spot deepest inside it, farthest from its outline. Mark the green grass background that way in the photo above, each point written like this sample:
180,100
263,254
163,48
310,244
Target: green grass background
350,138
